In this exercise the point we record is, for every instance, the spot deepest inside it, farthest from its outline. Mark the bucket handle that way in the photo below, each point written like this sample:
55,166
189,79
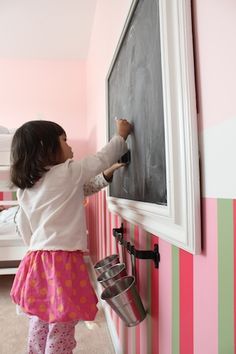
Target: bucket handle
118,233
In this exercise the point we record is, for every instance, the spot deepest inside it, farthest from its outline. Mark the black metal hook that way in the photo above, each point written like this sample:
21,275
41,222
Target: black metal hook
118,233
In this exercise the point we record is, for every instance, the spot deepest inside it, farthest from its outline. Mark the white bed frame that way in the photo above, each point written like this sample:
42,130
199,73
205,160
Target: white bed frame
12,247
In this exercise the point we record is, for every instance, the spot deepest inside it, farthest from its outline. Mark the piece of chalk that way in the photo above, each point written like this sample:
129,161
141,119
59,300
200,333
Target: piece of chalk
115,118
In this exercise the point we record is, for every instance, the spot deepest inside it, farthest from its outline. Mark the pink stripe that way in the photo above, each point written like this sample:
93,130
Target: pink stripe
93,242
234,216
115,250
109,233
96,227
107,230
117,224
92,239
165,293
186,302
129,270
206,284
116,322
155,302
101,223
122,337
105,222
124,257
113,241
128,259
93,220
125,335
126,340
118,246
136,243
7,195
143,293
120,332
99,226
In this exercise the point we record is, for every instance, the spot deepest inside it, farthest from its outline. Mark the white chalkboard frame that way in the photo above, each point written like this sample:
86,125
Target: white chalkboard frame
179,222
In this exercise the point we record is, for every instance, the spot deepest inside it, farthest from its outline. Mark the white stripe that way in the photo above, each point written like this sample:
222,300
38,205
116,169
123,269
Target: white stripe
218,162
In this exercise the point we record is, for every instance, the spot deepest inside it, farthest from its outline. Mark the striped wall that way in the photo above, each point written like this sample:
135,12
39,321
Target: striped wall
190,299
7,196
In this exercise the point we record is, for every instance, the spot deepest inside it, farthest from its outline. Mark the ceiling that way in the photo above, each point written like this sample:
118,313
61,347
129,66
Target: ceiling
45,29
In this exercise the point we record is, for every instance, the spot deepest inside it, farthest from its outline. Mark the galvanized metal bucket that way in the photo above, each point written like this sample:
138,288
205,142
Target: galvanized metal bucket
106,263
114,273
124,299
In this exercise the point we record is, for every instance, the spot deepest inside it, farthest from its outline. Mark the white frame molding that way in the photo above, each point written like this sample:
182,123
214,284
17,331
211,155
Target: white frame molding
179,222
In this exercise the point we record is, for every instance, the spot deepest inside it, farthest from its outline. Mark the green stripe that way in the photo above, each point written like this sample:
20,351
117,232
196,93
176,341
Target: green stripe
149,297
175,300
226,276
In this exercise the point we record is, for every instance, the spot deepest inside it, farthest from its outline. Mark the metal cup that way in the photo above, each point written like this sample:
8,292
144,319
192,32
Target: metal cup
124,299
108,277
106,263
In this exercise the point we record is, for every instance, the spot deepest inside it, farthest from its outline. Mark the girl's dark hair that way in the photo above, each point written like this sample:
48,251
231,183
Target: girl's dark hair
35,146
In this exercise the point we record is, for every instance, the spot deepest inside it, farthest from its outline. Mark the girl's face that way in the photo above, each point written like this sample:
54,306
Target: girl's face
66,151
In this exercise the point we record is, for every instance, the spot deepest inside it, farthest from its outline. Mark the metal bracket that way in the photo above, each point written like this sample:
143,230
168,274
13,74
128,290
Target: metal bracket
118,233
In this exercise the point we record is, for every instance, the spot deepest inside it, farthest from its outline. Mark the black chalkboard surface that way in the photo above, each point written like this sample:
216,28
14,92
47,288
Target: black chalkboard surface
135,92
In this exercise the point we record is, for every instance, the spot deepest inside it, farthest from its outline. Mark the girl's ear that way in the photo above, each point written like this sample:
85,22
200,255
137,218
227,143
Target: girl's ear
59,153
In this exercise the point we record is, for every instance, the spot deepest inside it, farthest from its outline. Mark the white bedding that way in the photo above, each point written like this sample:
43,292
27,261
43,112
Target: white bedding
5,147
8,234
4,130
7,224
12,247
6,136
5,142
7,215
8,228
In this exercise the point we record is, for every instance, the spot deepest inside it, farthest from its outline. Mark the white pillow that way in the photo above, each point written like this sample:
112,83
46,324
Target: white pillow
8,215
5,148
5,142
4,130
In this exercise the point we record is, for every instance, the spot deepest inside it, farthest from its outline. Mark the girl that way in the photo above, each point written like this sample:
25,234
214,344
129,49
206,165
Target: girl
52,284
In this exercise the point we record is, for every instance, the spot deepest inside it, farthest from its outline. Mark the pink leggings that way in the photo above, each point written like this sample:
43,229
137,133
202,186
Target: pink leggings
51,338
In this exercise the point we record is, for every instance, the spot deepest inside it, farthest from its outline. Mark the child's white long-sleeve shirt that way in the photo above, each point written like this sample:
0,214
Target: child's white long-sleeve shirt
51,214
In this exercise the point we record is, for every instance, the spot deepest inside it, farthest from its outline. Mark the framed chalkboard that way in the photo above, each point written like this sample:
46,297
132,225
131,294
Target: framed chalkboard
135,91
151,83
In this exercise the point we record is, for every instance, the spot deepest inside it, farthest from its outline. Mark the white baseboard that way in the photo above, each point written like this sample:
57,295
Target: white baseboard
110,324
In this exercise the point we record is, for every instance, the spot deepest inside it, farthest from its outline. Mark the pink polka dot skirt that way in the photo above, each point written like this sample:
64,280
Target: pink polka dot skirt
55,286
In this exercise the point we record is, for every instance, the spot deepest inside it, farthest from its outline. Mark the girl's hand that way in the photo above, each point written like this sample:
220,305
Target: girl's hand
108,173
123,128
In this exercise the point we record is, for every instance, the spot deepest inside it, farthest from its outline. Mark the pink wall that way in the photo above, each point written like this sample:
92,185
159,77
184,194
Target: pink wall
190,299
215,33
53,90
109,20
